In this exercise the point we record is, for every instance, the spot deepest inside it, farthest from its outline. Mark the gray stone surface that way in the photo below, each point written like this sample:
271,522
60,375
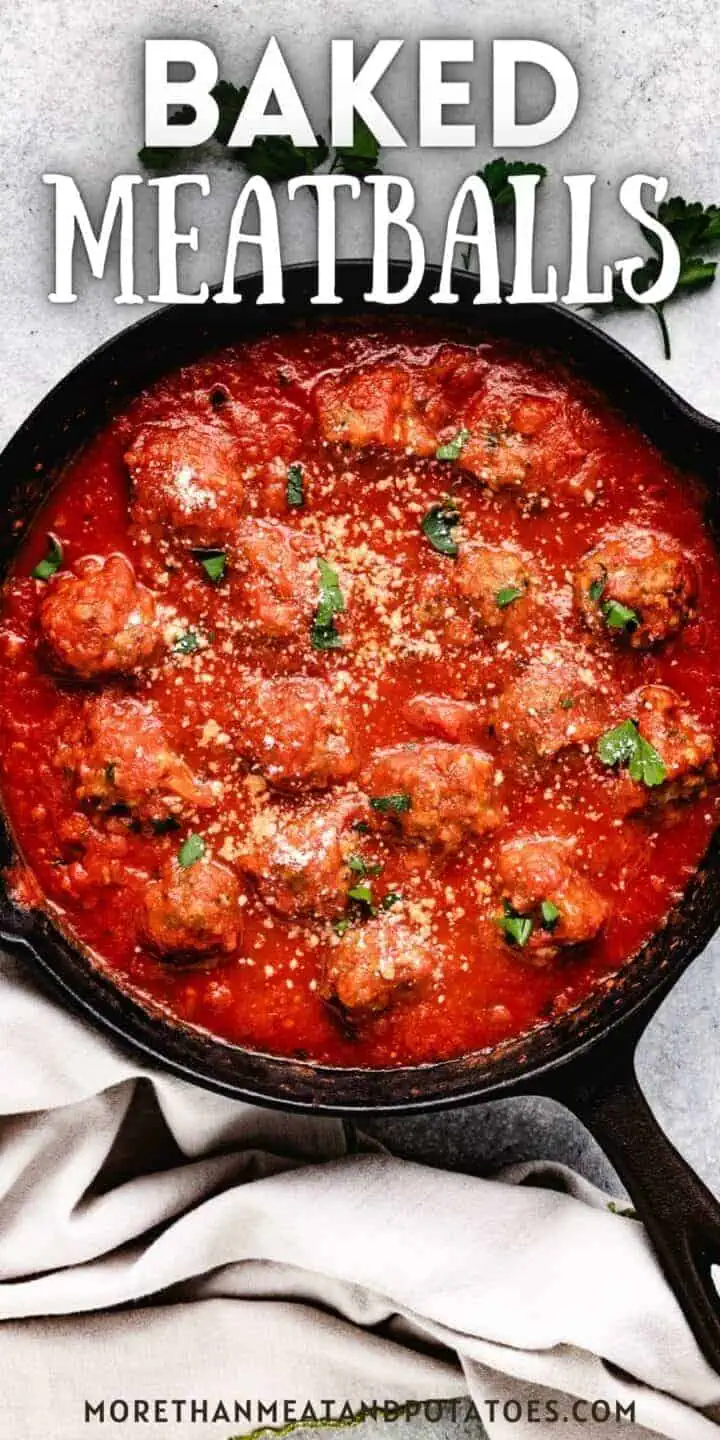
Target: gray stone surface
648,74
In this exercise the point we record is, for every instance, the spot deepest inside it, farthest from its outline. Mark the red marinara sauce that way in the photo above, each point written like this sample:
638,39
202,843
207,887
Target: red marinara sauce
365,564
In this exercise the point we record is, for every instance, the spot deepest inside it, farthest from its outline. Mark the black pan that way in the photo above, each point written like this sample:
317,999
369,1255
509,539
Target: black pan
584,1059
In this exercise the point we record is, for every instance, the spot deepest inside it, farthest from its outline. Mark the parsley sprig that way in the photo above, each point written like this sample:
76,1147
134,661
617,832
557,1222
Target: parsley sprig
695,228
324,634
496,175
624,745
274,157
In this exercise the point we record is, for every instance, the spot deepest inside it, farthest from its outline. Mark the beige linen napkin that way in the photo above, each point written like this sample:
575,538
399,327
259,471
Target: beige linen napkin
159,1241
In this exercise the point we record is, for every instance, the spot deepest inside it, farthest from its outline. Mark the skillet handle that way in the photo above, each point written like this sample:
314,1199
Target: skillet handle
678,1211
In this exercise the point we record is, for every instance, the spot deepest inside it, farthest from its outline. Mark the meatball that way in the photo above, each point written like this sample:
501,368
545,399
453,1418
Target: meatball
118,755
299,858
437,793
281,579
297,731
374,963
454,720
531,443
554,703
686,750
99,620
439,614
187,476
495,580
193,912
636,585
541,881
374,406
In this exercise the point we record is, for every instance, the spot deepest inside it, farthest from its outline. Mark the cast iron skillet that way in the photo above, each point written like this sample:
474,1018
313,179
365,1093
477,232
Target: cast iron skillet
584,1059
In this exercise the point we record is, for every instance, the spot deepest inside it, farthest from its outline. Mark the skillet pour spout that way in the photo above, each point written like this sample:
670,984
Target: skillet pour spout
582,1057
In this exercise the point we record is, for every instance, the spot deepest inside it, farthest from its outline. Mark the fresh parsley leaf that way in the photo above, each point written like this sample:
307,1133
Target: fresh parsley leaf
438,526
342,925
230,100
619,617
694,227
295,489
360,158
191,851
52,562
453,449
214,565
496,175
360,866
506,596
363,895
517,929
567,702
549,914
624,745
392,804
596,589
276,158
392,898
187,643
324,633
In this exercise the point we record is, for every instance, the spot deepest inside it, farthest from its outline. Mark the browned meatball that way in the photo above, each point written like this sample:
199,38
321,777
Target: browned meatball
374,406
440,614
118,755
437,793
296,731
539,871
194,911
454,720
555,702
637,585
281,579
99,620
299,858
374,963
187,476
533,444
495,579
686,750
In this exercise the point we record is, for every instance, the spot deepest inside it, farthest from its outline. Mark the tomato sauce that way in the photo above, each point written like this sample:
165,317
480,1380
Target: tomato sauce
363,507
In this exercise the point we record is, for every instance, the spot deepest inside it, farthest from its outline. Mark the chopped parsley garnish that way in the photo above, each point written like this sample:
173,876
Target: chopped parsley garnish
517,929
438,526
214,565
506,596
187,643
624,745
342,925
567,702
360,867
191,851
619,617
52,562
392,804
295,490
549,914
615,615
363,895
324,633
392,898
453,449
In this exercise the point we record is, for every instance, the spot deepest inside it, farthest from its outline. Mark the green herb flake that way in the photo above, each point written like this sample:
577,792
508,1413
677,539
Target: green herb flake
619,617
393,897
323,632
453,449
517,929
438,526
596,589
362,893
567,702
191,851
295,489
214,566
342,925
187,643
549,914
52,562
360,866
507,595
360,158
392,804
624,745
